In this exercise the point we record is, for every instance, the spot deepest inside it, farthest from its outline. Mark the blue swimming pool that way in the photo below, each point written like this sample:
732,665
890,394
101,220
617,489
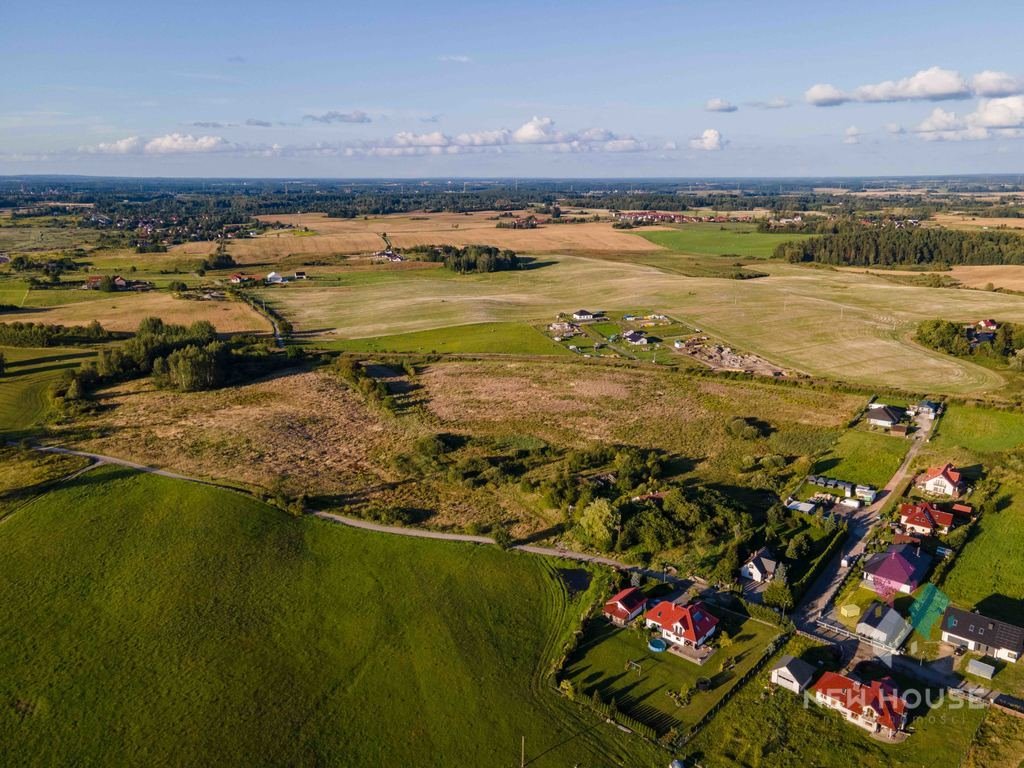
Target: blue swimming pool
657,645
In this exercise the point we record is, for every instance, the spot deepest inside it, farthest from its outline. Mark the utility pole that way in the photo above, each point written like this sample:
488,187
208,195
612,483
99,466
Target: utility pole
522,754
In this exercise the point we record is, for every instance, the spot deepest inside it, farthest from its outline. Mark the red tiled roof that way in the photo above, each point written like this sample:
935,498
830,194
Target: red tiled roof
948,471
925,515
624,603
880,696
693,619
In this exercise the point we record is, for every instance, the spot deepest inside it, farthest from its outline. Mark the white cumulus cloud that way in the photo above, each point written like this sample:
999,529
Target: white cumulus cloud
932,84
720,105
175,143
127,146
852,135
709,141
995,84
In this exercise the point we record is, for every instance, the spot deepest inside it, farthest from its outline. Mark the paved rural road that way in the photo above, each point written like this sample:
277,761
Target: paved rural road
822,591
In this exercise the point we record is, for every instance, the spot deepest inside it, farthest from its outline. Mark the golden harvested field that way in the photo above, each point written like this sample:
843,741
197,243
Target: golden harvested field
346,236
961,221
123,311
1007,276
847,325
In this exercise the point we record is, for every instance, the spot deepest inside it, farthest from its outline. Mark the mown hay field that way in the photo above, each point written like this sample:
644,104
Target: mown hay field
846,325
150,621
123,311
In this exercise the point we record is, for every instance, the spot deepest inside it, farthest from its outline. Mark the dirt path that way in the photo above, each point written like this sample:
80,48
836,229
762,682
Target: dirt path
366,525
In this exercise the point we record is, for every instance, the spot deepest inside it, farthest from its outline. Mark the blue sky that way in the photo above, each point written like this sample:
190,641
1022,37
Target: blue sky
598,89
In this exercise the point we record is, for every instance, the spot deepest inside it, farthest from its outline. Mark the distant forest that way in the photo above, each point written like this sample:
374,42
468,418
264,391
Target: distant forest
890,247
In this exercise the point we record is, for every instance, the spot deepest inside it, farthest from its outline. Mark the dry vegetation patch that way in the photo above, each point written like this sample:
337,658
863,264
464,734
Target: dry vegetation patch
306,428
123,311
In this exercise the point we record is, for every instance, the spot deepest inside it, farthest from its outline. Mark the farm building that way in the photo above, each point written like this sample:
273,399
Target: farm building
978,633
875,707
273,279
760,567
583,314
792,674
634,337
687,625
943,481
625,606
883,625
901,568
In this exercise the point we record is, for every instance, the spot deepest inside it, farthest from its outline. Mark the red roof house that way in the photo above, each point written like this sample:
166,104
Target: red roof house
683,624
625,606
875,706
943,481
925,518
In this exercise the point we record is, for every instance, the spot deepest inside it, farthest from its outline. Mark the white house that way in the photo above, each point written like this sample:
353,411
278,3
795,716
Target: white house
978,633
688,625
943,481
582,314
760,567
792,674
635,337
273,279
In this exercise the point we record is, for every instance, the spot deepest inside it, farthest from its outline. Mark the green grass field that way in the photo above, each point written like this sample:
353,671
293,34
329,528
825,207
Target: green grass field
601,658
719,239
151,622
864,457
479,338
25,385
983,430
763,727
988,573
999,743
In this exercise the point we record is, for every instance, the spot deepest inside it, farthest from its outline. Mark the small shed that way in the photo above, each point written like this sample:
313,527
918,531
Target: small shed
850,611
981,669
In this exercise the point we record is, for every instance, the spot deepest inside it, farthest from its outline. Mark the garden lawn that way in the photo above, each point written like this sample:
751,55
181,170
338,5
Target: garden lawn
999,742
862,457
987,574
763,727
600,662
149,621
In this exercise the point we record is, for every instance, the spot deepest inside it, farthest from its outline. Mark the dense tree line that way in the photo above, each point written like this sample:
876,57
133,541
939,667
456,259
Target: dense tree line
888,246
20,334
471,258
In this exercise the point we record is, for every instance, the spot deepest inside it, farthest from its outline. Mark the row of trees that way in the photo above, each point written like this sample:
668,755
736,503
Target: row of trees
888,246
471,258
20,334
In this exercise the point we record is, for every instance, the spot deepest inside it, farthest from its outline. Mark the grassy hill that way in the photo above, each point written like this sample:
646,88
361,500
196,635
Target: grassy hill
154,622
